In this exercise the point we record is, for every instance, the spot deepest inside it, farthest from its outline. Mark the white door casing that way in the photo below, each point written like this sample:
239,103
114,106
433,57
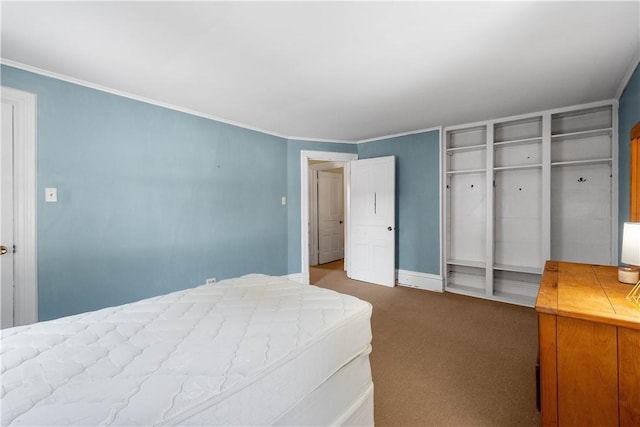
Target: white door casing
313,217
330,217
25,259
6,217
372,221
305,157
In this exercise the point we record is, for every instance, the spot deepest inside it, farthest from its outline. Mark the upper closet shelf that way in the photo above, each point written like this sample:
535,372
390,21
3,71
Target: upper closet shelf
467,148
582,134
464,171
507,168
582,162
519,141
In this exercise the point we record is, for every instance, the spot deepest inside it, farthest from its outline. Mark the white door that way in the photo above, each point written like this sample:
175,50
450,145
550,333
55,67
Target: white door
372,216
6,217
330,217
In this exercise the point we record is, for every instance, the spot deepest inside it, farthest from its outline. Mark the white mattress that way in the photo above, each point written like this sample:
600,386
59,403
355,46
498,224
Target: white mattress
246,351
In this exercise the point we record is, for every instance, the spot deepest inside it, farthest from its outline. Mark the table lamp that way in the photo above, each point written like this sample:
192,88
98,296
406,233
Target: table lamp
631,256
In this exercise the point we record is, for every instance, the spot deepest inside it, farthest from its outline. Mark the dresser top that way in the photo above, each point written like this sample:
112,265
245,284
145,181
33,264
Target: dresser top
588,292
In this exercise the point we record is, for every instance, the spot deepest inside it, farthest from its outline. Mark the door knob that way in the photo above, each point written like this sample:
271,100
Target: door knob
3,250
340,222
389,228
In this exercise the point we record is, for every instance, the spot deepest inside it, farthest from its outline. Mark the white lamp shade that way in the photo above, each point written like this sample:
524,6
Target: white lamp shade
631,243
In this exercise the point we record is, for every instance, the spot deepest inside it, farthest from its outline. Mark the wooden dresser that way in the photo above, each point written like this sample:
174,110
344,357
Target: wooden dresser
589,347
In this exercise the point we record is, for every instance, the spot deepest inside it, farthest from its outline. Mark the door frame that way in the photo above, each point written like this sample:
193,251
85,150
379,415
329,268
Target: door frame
328,156
25,205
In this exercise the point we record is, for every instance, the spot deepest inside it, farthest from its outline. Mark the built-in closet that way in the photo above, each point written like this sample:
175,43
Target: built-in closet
521,190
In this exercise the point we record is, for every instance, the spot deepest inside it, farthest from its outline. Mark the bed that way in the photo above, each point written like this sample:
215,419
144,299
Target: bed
253,350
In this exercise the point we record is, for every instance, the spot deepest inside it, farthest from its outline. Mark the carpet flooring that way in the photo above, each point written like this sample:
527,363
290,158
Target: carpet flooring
441,359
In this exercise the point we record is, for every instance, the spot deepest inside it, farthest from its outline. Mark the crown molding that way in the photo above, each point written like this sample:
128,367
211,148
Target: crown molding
84,83
123,94
397,135
625,80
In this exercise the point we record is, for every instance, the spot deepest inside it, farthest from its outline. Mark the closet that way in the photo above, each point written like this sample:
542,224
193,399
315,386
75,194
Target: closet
521,190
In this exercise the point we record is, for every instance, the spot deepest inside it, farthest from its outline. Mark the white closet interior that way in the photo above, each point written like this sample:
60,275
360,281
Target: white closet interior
524,189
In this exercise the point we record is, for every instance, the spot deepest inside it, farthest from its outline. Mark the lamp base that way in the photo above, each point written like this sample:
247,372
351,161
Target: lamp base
629,275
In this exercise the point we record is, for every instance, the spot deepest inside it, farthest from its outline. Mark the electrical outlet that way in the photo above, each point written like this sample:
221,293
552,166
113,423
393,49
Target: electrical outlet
211,281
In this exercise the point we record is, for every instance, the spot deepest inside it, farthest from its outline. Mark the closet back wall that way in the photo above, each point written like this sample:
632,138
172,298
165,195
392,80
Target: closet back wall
150,200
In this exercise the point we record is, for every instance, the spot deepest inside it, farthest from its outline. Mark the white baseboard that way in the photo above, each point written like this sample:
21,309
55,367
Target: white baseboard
426,281
412,279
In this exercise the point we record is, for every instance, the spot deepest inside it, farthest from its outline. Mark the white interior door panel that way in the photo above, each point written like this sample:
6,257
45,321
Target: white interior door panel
372,201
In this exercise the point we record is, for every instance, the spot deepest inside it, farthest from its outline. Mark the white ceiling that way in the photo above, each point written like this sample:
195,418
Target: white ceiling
345,71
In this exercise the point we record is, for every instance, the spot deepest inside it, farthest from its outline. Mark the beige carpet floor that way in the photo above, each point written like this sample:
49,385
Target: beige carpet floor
445,359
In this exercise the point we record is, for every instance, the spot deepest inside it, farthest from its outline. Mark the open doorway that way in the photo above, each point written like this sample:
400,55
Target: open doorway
307,160
326,212
330,272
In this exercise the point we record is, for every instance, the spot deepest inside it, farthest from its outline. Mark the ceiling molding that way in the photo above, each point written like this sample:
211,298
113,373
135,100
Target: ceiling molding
112,91
623,84
397,135
330,141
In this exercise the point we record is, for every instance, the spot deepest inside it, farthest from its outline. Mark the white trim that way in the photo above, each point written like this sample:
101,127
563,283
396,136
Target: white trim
329,141
625,80
397,135
313,217
415,279
305,156
25,205
326,166
615,231
151,101
442,196
112,91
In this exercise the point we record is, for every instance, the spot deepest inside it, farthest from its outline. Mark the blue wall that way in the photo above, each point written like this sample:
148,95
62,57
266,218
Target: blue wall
417,197
628,116
150,200
153,200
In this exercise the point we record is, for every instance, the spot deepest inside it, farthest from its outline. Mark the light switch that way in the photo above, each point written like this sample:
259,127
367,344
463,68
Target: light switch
284,200
50,194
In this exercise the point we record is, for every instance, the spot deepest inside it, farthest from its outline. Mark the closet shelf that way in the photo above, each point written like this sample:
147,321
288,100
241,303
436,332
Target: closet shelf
466,263
581,134
464,171
533,140
508,168
582,162
518,268
455,150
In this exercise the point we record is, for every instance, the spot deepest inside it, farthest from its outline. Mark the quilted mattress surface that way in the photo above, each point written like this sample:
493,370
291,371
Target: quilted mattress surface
216,354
